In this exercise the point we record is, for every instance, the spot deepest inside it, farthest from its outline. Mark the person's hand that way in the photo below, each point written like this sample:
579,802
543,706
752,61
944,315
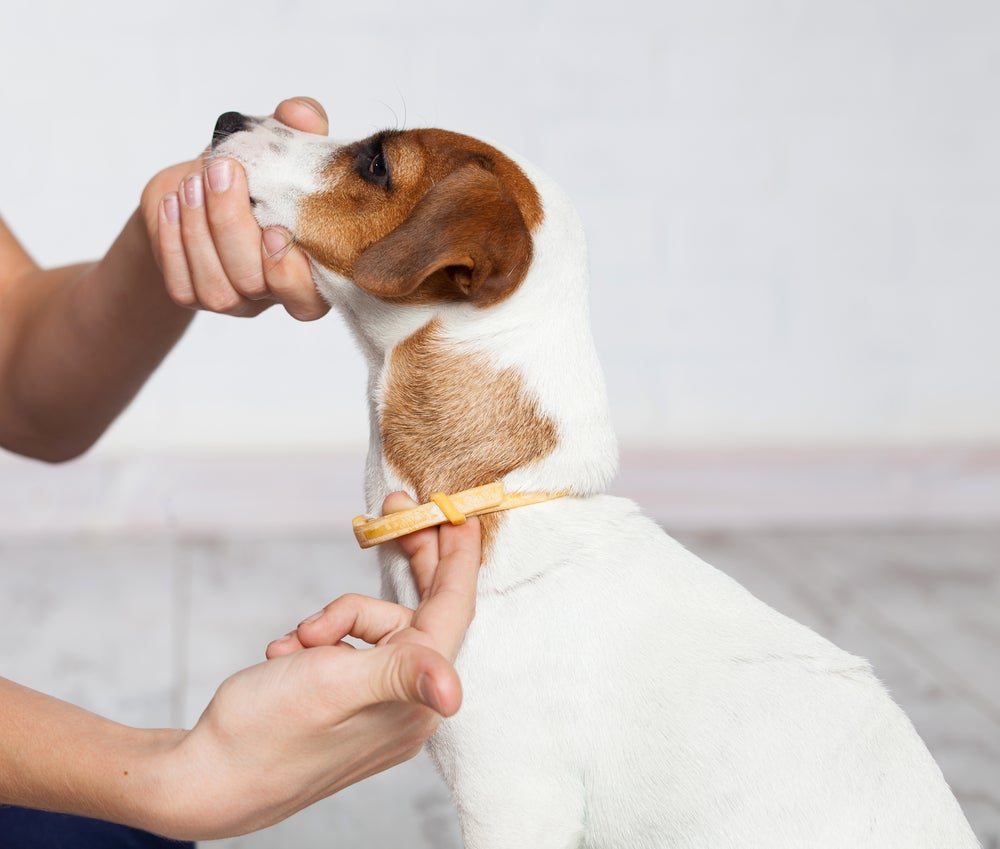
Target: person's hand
210,248
439,559
320,715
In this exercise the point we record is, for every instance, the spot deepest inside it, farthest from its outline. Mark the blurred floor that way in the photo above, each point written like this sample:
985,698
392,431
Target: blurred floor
139,618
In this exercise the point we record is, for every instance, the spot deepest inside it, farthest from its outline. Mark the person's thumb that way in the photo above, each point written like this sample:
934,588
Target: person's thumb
406,672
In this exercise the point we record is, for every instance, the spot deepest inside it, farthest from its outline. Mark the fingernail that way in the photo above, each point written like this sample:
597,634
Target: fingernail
194,191
220,175
310,619
275,241
171,208
309,103
428,694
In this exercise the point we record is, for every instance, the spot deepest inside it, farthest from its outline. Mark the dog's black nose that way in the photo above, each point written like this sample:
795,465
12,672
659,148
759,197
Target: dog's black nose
228,123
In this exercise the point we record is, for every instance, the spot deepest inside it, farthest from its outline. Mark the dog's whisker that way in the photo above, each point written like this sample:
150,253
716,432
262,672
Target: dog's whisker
393,111
403,101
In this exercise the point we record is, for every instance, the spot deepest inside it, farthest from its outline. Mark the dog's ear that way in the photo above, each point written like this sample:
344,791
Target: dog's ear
465,239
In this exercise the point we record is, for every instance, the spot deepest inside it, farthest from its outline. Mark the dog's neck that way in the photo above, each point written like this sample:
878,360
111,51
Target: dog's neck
461,396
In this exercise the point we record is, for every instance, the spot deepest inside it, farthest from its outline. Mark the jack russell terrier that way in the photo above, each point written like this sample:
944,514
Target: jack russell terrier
619,692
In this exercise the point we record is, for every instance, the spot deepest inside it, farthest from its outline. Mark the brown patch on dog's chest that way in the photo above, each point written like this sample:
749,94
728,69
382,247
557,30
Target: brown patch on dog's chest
450,421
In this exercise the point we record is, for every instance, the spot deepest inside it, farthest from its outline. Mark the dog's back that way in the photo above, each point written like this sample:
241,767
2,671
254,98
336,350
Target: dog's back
624,694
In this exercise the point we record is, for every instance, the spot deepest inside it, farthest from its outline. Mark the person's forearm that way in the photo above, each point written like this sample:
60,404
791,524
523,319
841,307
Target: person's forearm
79,343
55,756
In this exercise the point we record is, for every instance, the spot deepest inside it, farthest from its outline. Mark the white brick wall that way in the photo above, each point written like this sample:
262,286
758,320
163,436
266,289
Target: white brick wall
793,207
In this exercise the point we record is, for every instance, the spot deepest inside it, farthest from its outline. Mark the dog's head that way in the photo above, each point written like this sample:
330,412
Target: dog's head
463,273
414,216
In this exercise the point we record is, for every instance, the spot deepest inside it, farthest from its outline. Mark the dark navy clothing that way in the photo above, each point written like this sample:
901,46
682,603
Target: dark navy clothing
23,828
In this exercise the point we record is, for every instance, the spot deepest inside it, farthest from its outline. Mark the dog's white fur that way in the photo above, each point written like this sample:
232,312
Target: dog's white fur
619,692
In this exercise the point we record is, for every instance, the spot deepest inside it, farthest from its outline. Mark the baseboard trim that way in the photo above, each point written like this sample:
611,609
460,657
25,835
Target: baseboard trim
297,493
819,486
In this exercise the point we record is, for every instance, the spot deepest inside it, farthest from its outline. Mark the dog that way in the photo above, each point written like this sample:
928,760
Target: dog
620,693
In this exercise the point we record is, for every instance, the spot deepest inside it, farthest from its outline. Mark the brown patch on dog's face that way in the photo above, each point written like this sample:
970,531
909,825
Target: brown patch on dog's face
450,421
423,216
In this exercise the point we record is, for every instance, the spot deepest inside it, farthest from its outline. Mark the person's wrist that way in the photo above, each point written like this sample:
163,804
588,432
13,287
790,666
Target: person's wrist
131,265
189,792
153,787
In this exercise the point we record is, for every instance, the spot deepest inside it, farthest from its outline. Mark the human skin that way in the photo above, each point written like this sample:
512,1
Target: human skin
76,344
317,716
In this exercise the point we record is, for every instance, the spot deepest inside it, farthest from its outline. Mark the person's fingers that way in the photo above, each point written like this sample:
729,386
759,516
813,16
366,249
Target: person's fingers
404,672
173,259
420,547
288,644
234,230
161,187
445,565
446,612
209,245
352,615
303,113
461,549
211,286
287,272
288,276
397,501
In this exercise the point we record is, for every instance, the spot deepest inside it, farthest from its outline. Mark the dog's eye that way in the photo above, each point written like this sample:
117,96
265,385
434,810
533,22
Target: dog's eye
371,163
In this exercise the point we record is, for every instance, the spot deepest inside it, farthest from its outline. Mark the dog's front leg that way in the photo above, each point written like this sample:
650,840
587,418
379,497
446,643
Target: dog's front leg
512,791
510,832
523,813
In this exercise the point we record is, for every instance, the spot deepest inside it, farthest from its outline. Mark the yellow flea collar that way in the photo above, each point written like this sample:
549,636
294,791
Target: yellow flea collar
442,508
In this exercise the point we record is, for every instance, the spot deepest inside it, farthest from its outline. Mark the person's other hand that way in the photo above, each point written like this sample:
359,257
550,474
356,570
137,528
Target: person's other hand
444,562
210,248
319,714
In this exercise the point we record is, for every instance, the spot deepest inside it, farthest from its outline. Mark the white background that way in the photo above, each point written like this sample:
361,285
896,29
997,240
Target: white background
793,207
794,218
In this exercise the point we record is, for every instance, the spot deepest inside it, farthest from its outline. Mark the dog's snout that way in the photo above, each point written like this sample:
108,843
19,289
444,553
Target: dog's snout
228,123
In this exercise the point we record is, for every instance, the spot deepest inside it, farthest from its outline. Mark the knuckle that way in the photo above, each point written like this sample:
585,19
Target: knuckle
348,600
249,283
398,673
308,312
222,302
149,205
182,296
224,207
224,215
